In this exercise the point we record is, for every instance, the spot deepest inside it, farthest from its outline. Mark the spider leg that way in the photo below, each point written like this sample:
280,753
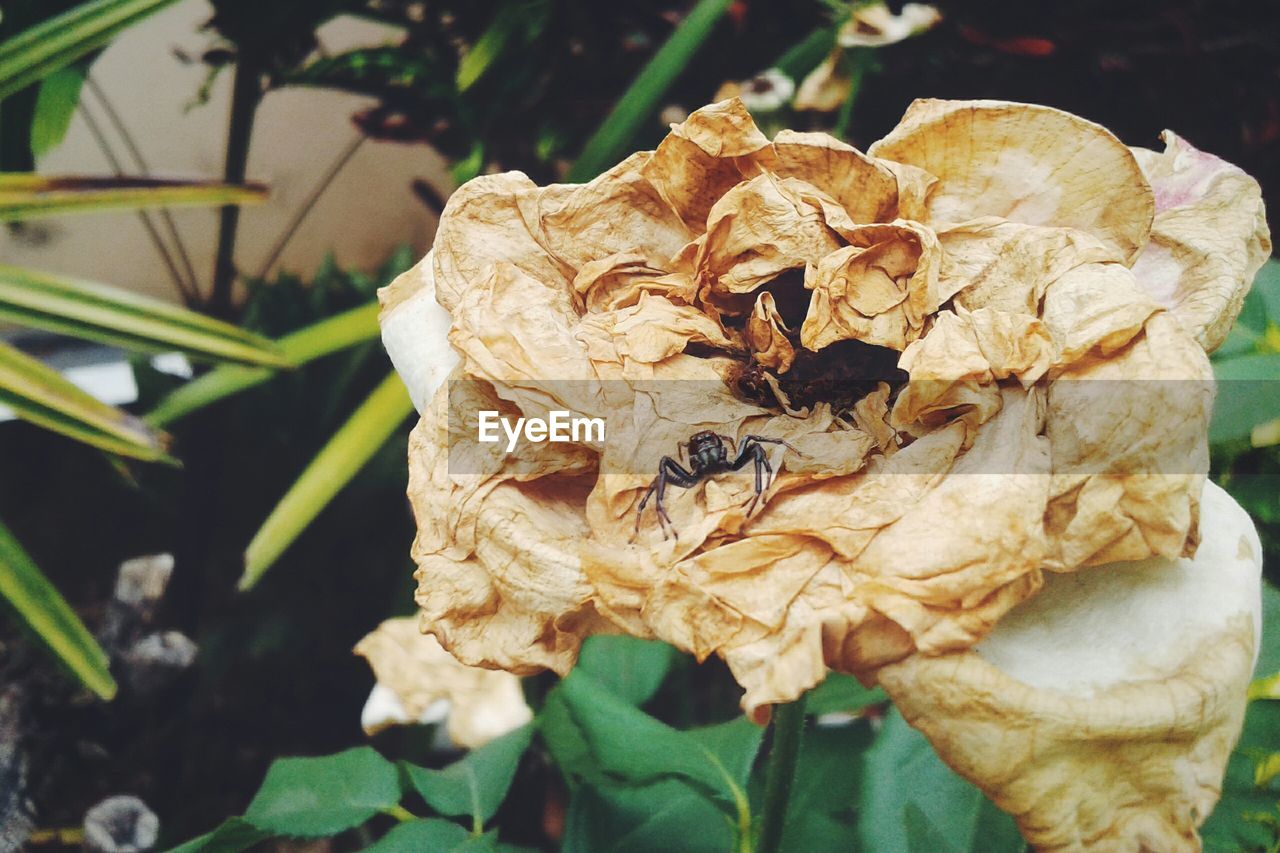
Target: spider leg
762,482
669,472
760,439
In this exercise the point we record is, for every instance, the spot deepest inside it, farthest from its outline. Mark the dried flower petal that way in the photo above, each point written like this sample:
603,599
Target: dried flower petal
1208,239
1114,695
418,682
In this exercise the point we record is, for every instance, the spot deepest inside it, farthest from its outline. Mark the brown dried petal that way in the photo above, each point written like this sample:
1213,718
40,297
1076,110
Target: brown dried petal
1024,163
765,333
877,290
1208,240
1115,695
483,704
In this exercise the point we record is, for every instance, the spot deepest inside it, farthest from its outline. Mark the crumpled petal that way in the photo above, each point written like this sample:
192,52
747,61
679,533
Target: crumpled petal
877,290
1024,163
418,681
1208,240
876,25
1101,712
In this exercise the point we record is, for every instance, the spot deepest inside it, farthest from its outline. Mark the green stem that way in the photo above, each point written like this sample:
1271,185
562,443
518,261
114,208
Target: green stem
400,813
246,92
788,727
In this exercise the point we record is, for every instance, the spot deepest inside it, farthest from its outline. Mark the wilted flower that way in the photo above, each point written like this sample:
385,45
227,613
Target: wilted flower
932,327
419,682
769,90
869,25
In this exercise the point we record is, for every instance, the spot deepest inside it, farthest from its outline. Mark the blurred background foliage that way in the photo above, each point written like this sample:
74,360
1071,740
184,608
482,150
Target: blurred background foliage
559,89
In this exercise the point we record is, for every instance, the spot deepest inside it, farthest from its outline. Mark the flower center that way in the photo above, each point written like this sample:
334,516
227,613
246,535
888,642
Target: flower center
840,374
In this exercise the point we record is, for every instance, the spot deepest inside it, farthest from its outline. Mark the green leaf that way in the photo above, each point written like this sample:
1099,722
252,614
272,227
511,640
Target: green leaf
61,40
609,739
666,815
632,668
1269,654
233,835
1227,829
46,613
842,694
41,395
432,834
490,44
909,794
476,784
319,339
342,457
1248,395
113,316
55,105
24,194
314,797
1267,769
820,813
807,54
613,138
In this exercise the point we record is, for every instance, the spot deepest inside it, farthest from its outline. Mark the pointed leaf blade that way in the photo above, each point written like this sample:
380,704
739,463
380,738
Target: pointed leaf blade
25,194
46,613
118,317
372,423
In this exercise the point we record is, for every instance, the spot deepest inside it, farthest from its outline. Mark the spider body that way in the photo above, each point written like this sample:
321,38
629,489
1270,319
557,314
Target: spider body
707,456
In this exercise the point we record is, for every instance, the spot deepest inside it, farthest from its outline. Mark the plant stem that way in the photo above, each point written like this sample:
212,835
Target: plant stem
246,91
788,726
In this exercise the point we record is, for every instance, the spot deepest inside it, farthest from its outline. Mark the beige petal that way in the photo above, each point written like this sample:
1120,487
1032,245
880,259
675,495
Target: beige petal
1127,683
1030,164
994,263
867,189
482,704
825,87
1208,240
703,158
764,227
765,333
875,25
877,290
1129,449
617,281
415,331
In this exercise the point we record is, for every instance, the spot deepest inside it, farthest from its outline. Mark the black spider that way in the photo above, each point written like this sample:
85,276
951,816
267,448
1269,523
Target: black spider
707,456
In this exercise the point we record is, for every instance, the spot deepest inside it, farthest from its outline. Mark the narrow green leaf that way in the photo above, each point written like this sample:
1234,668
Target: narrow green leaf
113,316
475,785
319,339
820,812
46,613
41,395
233,835
432,834
342,457
1265,688
314,797
61,40
490,44
24,194
612,139
662,816
55,105
632,668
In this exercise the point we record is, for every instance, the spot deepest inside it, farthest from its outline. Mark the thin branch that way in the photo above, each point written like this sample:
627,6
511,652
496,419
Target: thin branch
171,227
323,184
246,94
96,130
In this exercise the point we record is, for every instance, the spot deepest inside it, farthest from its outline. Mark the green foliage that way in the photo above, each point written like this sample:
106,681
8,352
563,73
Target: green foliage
48,616
610,142
633,669
430,834
54,44
1248,364
313,797
55,105
840,693
911,801
476,784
